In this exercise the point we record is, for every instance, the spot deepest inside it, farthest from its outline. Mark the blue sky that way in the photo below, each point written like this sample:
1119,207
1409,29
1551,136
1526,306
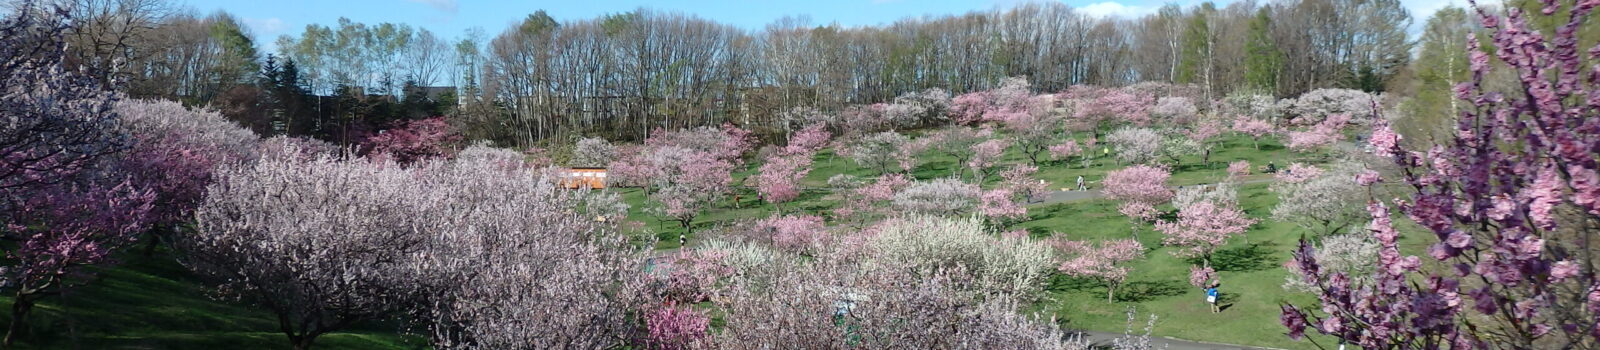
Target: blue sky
450,18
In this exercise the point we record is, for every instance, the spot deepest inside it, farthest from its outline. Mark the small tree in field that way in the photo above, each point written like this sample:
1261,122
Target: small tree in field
687,182
1103,261
1140,188
872,198
802,234
956,142
985,156
1256,128
878,151
947,197
1019,179
779,179
1065,150
1203,227
1035,131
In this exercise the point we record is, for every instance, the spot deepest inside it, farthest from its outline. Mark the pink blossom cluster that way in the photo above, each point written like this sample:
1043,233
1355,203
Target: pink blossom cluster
803,234
1009,101
1065,150
1298,173
672,327
808,140
415,140
779,178
1239,168
1201,277
986,155
1001,204
1117,105
869,199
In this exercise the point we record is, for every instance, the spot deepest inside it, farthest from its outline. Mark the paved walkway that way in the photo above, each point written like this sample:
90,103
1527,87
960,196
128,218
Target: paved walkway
1104,339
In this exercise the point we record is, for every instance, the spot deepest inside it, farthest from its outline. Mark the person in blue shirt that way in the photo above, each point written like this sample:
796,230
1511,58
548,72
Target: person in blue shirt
1211,297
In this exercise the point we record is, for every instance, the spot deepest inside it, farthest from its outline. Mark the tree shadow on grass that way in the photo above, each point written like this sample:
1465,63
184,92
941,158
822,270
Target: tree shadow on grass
1062,283
1148,290
1253,257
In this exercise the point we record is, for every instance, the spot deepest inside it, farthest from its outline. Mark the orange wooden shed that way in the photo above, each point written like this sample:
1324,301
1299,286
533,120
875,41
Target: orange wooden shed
576,178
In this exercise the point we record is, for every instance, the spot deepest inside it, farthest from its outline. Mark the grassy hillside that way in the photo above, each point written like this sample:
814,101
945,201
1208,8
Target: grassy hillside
154,303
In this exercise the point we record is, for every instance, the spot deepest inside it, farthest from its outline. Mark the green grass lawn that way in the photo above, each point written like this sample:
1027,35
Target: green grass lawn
154,303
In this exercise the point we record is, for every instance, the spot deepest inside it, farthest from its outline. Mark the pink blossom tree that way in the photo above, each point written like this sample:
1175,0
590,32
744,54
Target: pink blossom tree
956,142
779,178
174,153
61,231
1203,227
687,182
1256,128
1065,150
1140,188
1509,224
872,198
1117,105
308,239
62,207
1174,111
1297,173
803,234
1201,277
728,143
1001,204
1009,100
1238,169
410,141
1105,261
1320,135
986,155
808,140
1033,132
1019,179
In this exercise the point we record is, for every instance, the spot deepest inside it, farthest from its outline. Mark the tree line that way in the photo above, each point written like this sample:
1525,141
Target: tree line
621,76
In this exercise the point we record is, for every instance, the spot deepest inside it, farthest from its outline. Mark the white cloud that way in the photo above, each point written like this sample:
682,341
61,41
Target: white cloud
446,6
265,26
1112,9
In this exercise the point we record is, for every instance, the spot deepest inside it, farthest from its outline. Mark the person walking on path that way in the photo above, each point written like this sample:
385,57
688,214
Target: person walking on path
1211,297
1081,187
